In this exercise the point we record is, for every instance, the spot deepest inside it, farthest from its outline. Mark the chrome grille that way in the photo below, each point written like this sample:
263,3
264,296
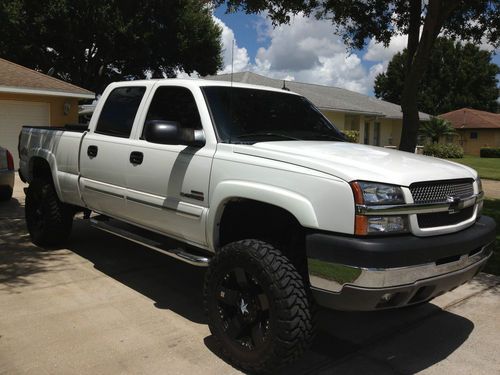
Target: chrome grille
438,191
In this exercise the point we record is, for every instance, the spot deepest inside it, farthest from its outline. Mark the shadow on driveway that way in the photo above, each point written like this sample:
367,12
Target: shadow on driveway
400,341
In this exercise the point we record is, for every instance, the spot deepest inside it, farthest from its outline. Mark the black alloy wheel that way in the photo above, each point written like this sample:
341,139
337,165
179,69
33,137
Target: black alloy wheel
257,306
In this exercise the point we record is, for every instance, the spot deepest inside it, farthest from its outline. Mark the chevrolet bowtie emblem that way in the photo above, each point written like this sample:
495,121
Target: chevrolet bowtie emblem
456,204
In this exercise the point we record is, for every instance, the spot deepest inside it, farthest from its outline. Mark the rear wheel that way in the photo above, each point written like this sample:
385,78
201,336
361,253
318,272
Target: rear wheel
257,306
49,221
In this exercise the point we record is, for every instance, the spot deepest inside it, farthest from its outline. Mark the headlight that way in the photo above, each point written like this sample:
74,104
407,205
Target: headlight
479,185
480,203
371,193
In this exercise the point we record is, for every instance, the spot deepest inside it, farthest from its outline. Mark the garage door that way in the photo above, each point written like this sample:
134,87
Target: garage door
13,115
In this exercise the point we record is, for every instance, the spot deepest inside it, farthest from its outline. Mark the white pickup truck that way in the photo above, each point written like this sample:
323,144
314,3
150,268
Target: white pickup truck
259,186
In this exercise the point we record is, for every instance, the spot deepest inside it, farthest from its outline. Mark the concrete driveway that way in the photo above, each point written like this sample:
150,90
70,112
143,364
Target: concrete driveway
106,306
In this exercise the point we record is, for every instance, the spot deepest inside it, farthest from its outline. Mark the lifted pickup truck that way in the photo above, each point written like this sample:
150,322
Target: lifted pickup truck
259,186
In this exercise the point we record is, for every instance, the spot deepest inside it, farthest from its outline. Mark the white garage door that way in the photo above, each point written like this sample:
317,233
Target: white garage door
13,115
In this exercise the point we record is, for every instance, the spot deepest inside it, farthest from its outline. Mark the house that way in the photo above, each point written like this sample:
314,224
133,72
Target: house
378,122
475,129
28,97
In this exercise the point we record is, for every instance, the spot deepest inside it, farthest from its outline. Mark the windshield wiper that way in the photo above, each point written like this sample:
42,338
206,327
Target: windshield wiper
266,134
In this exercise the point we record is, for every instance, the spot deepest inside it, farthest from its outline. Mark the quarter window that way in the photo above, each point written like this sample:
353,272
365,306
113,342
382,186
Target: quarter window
119,111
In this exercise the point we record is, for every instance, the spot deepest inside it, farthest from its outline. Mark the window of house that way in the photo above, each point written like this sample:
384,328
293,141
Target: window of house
118,114
473,135
171,103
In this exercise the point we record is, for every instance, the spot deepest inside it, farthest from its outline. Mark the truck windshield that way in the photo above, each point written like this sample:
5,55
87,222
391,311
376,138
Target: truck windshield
244,115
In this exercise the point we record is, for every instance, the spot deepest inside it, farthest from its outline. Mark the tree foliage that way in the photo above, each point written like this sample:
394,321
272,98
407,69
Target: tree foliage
459,75
92,43
358,21
435,129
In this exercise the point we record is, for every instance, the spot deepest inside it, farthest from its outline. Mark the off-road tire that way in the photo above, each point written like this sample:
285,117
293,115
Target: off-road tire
49,220
290,327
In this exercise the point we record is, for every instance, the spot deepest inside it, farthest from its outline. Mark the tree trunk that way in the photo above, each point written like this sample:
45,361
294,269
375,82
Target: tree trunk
437,12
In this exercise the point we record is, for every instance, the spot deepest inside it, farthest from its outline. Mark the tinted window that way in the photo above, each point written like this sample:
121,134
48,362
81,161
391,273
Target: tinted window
247,116
118,114
175,104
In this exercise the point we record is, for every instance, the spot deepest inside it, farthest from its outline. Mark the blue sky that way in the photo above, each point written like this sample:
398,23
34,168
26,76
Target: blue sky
306,51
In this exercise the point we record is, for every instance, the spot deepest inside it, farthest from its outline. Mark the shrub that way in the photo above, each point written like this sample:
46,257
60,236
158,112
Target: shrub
446,151
490,152
351,135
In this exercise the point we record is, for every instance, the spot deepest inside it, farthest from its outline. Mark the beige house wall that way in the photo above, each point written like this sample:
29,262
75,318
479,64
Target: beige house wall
57,116
337,118
485,138
389,129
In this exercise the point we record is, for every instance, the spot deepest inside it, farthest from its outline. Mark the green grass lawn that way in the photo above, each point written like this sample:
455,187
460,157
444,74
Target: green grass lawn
492,208
488,168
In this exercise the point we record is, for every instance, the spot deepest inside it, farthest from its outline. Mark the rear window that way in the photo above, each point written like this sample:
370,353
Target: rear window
119,111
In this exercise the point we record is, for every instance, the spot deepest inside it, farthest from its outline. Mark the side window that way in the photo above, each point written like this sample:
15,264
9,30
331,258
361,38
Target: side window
172,103
118,114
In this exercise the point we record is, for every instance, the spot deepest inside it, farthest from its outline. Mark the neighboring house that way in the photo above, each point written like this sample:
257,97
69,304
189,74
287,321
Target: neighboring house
475,129
28,97
378,122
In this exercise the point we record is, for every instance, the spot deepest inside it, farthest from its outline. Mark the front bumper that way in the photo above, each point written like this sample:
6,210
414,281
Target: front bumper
352,273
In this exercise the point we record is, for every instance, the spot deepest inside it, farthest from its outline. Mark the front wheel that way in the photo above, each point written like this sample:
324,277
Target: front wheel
49,220
257,306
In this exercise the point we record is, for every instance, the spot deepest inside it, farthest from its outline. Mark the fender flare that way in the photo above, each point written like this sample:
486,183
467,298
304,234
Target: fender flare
296,204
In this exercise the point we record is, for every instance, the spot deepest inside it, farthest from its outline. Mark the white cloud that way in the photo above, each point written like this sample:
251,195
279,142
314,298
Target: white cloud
378,52
240,57
308,51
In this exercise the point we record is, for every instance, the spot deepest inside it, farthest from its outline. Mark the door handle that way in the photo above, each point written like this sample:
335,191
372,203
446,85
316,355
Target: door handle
92,151
136,157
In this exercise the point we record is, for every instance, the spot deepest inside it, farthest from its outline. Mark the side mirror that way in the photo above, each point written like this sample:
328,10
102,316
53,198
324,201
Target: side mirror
171,133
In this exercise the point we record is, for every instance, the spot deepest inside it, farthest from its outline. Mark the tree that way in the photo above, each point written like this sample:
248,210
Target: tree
459,75
436,128
422,21
92,43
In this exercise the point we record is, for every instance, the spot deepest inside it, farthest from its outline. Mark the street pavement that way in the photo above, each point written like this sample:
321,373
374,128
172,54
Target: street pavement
103,305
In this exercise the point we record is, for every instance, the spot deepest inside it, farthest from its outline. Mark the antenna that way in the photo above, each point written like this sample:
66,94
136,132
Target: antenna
231,93
232,62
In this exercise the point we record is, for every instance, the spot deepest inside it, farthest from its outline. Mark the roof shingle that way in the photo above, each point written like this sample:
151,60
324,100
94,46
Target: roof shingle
14,76
468,118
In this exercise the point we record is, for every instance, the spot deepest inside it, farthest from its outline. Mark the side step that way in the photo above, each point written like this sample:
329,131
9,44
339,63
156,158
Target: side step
153,240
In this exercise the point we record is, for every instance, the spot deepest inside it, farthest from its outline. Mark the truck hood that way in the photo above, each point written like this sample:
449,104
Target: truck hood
351,161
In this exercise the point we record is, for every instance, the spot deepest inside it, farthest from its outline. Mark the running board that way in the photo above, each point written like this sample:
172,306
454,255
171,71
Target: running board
105,224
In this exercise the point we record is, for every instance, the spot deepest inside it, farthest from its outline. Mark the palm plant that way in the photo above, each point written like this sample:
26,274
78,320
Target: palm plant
436,128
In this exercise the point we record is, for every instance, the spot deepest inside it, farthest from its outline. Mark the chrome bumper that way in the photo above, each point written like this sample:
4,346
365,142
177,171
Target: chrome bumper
333,277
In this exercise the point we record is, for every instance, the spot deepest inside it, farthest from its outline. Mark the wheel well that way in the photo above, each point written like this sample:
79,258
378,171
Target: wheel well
40,169
246,218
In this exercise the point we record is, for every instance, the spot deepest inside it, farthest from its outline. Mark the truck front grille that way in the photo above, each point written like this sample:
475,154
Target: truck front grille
438,192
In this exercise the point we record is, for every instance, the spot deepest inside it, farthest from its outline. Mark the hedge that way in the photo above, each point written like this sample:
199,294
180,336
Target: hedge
489,152
445,151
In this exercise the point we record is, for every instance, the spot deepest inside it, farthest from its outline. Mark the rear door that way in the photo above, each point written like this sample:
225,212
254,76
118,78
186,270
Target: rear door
104,154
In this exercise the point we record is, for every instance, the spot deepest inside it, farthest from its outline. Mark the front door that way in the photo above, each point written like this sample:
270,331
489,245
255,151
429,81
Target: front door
168,184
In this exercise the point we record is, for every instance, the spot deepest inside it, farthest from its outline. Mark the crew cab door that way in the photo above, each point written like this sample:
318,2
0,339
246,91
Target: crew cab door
168,183
104,154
